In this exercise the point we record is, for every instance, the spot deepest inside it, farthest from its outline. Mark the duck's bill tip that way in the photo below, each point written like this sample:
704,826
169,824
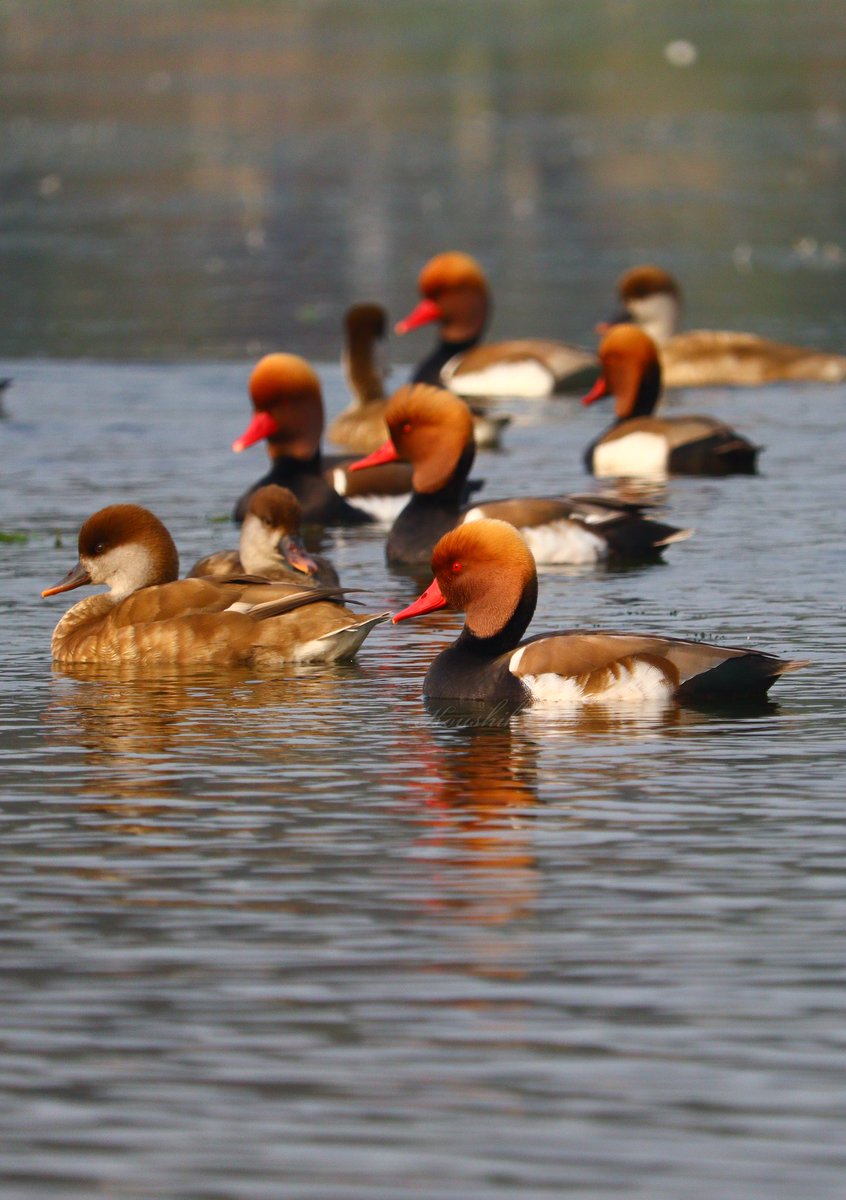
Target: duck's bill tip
599,389
385,453
432,599
262,426
76,577
425,312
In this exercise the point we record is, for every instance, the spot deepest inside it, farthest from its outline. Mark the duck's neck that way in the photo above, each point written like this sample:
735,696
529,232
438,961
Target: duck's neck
646,397
509,634
429,370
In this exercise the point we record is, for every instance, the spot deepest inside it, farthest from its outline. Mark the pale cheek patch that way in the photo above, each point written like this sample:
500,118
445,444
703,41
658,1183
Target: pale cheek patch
527,378
126,569
643,454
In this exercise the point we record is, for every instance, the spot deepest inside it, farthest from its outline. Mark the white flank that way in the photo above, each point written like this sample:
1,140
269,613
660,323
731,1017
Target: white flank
339,481
526,378
564,542
382,508
640,684
643,454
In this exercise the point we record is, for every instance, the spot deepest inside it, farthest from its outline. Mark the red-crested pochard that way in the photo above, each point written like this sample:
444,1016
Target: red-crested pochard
455,293
288,414
149,616
640,444
270,545
361,427
486,571
652,298
432,429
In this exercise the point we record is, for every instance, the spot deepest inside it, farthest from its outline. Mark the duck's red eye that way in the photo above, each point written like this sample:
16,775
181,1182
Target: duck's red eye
406,427
455,568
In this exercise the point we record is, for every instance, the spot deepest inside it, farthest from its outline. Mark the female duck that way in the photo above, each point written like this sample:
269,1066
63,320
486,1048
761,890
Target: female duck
432,429
640,444
651,298
270,545
148,616
288,414
485,570
455,293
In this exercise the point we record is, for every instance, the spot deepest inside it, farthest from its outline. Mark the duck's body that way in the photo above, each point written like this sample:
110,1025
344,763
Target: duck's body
486,571
651,297
455,293
431,429
270,545
288,413
642,444
361,427
151,617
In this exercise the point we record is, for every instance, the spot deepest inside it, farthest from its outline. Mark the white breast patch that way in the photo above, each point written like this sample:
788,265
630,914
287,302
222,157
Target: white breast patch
643,454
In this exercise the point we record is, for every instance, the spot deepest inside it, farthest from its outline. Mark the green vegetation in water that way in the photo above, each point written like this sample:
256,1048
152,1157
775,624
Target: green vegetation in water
13,537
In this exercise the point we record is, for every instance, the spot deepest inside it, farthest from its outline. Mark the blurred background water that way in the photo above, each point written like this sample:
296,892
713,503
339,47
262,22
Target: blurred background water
295,936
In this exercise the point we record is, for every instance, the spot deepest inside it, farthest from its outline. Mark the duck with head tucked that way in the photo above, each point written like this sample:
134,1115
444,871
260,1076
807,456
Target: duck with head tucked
652,299
149,617
640,444
486,571
456,294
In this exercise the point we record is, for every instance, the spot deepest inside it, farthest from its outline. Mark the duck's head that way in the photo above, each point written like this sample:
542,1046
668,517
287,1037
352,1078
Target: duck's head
430,428
288,405
270,534
631,371
485,570
651,298
455,292
365,323
125,547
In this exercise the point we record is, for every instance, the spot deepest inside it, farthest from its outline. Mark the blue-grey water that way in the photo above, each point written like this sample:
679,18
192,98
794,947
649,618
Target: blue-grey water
294,935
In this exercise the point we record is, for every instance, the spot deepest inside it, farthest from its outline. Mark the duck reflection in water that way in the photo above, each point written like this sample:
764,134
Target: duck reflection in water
141,737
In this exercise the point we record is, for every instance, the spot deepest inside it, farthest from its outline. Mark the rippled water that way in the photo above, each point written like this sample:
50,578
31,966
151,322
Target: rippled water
298,936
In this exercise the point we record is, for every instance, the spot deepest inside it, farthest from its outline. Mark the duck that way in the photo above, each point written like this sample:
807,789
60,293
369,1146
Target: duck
270,545
432,429
455,292
288,413
643,445
150,617
487,571
361,426
652,298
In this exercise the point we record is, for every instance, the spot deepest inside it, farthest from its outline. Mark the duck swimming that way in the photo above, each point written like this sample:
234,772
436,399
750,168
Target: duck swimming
289,416
432,430
641,444
486,571
455,292
652,299
361,427
150,617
